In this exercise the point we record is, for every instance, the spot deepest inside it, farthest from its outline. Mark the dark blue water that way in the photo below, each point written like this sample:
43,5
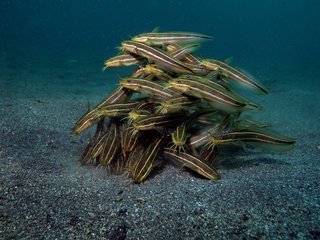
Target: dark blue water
279,32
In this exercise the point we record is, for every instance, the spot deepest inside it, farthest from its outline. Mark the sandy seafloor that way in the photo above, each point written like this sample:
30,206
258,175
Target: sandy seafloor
47,194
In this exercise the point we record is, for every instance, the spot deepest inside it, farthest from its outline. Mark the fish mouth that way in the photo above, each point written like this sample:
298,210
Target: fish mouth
125,47
139,39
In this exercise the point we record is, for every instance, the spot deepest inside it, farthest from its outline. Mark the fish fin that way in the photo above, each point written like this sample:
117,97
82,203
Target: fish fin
273,147
253,106
249,123
228,60
118,48
212,75
258,86
149,77
156,29
89,106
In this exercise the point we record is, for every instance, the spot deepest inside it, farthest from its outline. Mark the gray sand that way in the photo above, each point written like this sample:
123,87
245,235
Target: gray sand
46,194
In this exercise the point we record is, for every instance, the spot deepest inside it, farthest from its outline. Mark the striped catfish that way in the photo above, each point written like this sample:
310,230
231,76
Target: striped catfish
232,73
158,56
93,116
146,163
192,162
160,38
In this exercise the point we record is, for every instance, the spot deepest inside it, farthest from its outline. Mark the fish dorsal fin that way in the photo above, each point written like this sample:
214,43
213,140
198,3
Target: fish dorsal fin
90,137
212,75
156,29
89,106
228,60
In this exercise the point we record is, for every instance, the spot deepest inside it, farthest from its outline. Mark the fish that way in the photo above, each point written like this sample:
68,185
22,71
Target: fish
118,165
173,105
122,60
152,69
86,121
93,116
201,138
98,146
209,154
129,139
183,52
176,104
134,156
256,137
232,73
145,164
119,95
110,145
219,97
179,135
146,86
87,154
174,48
192,162
156,38
198,69
118,109
179,138
157,120
158,56
136,113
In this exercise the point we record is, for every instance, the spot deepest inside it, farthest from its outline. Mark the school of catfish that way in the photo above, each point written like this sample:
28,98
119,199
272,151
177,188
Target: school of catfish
174,106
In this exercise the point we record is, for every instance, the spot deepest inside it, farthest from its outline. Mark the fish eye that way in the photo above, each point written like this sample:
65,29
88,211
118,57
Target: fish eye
179,81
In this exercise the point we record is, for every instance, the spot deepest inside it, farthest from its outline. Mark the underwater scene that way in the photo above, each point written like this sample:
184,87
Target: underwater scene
159,119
